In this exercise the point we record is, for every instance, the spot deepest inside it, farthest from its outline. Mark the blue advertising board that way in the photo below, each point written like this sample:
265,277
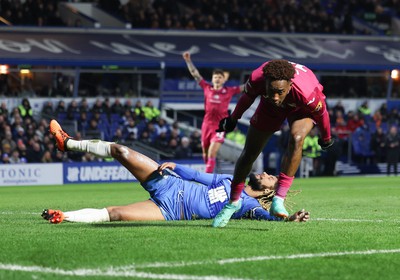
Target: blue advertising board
96,172
156,48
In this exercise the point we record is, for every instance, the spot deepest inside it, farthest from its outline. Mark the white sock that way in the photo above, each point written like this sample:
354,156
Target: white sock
96,147
87,215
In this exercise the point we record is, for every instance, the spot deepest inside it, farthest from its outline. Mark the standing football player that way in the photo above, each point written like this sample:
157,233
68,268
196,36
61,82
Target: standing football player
288,91
216,102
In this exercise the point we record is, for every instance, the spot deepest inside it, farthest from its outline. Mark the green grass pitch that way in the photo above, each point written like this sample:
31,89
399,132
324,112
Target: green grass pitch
354,233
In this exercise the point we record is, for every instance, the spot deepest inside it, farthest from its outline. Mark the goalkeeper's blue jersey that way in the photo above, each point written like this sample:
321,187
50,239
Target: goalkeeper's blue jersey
186,194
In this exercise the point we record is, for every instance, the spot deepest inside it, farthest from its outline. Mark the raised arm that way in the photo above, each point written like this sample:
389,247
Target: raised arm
192,69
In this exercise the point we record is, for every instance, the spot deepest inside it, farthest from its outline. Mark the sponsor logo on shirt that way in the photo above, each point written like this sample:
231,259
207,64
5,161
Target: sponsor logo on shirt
318,107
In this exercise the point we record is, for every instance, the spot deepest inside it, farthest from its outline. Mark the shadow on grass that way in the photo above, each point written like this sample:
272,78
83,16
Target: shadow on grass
174,224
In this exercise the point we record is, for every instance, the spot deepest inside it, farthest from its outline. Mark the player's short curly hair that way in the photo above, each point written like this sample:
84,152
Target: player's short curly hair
218,72
279,69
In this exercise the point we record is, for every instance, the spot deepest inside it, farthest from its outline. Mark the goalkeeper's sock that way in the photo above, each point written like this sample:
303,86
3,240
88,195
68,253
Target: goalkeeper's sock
236,191
87,215
210,165
98,148
284,183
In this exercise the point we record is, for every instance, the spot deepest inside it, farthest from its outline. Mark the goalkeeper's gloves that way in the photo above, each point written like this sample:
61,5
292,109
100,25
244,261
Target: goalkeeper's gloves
227,124
325,144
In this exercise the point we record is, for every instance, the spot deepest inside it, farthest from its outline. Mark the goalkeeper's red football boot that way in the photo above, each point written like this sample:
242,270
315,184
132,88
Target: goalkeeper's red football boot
60,135
53,216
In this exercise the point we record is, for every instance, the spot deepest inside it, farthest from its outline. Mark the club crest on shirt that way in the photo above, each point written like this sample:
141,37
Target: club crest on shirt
318,107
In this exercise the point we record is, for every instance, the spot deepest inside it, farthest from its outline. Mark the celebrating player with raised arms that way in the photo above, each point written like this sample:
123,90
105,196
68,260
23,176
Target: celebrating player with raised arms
216,103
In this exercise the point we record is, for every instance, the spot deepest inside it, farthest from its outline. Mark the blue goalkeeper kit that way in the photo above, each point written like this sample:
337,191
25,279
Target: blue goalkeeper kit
187,194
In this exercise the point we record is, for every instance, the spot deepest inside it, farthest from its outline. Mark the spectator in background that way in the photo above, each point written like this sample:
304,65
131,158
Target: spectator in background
117,107
47,110
83,121
162,126
93,129
61,108
377,118
174,135
183,150
354,121
312,149
59,156
47,157
118,136
22,149
378,139
5,158
138,109
126,116
4,110
393,117
364,109
72,110
97,107
20,135
128,106
8,140
25,109
236,136
145,138
172,146
106,107
130,131
15,157
195,142
175,129
151,112
34,153
162,142
384,112
339,108
84,106
392,149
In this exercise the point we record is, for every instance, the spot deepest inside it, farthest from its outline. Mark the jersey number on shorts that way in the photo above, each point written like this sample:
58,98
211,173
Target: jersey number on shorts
217,195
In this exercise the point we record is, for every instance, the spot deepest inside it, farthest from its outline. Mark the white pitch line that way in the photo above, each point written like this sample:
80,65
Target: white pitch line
19,213
346,220
111,272
266,258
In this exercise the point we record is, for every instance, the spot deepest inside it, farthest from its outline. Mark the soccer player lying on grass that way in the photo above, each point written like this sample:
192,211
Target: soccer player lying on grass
176,192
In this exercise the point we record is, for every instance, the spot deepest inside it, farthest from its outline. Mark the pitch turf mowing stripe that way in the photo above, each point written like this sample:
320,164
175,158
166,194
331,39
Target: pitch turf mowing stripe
130,271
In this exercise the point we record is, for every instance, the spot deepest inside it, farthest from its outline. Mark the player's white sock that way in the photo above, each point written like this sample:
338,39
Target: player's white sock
87,215
96,147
